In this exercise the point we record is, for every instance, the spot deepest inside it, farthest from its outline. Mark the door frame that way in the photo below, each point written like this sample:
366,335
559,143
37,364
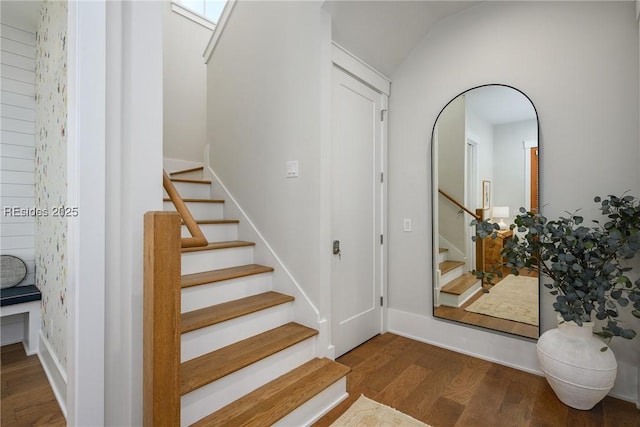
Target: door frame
471,194
361,71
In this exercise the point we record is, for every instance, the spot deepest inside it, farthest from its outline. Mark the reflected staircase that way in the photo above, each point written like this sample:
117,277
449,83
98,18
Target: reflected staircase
456,285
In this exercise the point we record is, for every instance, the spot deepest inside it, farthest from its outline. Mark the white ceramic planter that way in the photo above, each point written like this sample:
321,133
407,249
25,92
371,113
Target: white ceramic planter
578,372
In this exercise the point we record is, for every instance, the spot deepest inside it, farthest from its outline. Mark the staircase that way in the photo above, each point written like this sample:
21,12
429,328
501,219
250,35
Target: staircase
456,286
244,361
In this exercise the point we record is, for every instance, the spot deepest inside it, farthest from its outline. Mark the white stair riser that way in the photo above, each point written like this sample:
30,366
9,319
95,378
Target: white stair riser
190,190
196,297
451,300
215,232
214,337
208,399
198,261
450,275
442,256
200,210
188,175
312,410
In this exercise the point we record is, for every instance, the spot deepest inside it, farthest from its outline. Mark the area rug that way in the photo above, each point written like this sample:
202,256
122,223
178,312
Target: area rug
513,298
368,413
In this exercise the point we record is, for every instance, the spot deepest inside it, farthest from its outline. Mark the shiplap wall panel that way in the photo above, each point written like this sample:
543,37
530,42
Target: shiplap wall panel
18,61
11,177
18,48
17,144
10,32
28,140
16,99
17,151
17,73
16,86
17,113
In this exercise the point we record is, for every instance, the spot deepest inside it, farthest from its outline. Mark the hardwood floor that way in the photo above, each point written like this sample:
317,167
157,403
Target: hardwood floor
443,388
26,397
437,386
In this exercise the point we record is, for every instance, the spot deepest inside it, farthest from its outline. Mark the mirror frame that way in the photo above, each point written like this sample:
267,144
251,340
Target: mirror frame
435,193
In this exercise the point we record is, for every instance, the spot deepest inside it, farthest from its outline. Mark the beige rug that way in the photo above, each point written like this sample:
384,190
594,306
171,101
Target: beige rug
367,413
513,298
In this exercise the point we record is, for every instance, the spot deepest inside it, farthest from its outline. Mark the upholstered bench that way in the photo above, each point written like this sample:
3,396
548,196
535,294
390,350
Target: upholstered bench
20,300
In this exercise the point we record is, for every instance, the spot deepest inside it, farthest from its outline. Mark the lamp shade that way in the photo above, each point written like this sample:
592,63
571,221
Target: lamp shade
500,212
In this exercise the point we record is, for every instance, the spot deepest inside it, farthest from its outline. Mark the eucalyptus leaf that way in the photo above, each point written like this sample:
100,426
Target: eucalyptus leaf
584,264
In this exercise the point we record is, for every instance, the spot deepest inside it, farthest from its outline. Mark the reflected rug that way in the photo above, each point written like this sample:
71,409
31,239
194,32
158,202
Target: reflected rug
367,413
513,298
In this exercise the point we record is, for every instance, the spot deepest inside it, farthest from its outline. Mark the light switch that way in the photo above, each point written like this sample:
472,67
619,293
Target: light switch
292,169
407,224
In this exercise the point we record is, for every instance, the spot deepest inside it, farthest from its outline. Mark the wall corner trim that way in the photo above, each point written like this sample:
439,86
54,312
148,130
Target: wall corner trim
54,371
219,28
192,16
355,66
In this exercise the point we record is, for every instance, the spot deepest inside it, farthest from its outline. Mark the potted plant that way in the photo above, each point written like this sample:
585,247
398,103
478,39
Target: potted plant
587,270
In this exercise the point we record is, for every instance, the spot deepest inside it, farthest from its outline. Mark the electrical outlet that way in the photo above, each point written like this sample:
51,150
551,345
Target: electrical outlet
292,169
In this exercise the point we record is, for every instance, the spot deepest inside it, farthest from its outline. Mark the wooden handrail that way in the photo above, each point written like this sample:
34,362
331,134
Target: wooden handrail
161,325
458,204
197,237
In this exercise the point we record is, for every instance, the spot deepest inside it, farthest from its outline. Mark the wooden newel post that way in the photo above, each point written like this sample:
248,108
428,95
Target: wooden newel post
161,353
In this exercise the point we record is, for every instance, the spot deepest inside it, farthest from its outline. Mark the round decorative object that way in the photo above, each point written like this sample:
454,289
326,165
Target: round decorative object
12,271
576,368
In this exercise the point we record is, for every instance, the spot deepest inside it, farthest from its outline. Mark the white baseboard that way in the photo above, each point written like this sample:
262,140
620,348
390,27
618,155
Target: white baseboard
56,374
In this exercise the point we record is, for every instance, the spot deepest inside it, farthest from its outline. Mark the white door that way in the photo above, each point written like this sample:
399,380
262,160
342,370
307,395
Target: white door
356,209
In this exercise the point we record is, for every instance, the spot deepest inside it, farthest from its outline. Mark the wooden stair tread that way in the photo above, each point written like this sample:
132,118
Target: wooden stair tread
201,278
442,250
191,181
217,221
178,172
447,266
166,199
212,366
230,310
460,285
274,400
219,245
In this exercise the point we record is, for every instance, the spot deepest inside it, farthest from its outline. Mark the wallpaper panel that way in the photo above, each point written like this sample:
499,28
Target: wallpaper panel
51,173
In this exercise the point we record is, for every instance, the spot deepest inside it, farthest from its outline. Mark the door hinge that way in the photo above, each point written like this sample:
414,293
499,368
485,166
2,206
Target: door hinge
382,115
381,301
381,177
382,239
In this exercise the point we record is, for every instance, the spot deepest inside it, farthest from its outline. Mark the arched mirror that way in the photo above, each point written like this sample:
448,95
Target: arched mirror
485,158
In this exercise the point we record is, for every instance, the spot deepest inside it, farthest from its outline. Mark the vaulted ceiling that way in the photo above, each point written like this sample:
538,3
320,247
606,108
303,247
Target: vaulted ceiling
383,33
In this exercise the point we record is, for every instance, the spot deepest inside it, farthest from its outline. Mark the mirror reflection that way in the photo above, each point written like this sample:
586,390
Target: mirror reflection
485,166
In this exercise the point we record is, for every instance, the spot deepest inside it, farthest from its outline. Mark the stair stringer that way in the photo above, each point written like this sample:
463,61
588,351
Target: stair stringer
304,310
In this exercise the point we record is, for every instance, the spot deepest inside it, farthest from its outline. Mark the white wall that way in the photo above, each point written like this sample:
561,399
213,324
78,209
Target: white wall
580,69
184,86
17,153
133,186
264,108
17,147
509,173
451,172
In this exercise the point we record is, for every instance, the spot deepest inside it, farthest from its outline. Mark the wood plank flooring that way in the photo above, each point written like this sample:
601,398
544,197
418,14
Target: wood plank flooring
443,388
26,396
437,386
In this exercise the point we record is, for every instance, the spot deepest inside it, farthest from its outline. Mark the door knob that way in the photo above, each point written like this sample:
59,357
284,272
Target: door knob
336,248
